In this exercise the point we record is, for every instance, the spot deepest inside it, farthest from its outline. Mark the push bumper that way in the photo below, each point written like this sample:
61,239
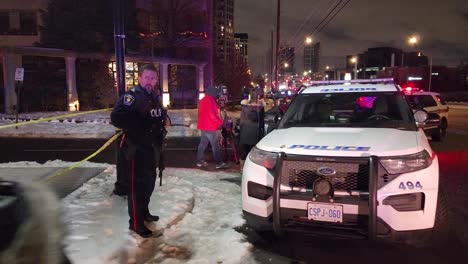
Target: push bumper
370,232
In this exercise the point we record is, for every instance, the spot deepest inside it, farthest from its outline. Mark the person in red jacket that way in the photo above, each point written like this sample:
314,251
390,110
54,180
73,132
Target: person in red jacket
209,123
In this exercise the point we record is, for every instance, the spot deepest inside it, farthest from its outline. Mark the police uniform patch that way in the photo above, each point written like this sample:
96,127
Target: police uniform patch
128,99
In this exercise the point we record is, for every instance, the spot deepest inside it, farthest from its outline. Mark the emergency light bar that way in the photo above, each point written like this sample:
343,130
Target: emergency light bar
352,81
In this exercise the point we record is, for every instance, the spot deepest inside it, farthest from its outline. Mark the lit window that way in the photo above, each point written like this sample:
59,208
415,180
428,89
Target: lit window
129,66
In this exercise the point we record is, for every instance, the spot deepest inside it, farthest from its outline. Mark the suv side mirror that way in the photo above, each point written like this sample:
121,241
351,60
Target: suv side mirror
421,117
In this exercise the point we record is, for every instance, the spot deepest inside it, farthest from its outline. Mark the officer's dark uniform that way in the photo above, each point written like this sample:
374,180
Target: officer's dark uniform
142,117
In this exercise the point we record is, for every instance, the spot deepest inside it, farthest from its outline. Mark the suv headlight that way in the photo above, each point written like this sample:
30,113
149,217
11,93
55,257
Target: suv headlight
407,163
263,158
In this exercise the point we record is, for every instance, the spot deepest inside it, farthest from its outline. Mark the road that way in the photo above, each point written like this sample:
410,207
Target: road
297,248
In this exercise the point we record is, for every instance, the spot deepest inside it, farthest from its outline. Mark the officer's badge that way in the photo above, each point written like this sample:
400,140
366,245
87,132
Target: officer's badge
128,99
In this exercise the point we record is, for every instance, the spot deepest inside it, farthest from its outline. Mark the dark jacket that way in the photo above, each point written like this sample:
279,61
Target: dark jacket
251,123
141,116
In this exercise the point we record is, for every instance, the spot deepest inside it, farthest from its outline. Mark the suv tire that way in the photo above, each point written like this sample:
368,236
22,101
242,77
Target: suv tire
441,131
440,232
438,235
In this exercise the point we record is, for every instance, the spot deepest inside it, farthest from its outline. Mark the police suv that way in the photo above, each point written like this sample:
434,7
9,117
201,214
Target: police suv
435,106
348,159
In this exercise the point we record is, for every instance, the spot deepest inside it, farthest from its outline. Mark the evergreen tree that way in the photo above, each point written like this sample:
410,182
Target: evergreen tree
96,85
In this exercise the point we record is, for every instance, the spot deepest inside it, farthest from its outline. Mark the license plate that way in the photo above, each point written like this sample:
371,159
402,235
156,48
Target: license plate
325,212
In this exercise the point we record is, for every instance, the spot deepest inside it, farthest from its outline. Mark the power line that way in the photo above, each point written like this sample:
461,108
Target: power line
328,14
318,29
303,23
295,41
341,8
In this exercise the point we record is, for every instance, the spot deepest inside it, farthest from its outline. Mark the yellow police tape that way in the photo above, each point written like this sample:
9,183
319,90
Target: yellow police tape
61,172
53,117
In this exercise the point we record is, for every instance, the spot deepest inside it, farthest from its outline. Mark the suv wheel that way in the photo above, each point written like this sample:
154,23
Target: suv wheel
441,132
439,234
441,229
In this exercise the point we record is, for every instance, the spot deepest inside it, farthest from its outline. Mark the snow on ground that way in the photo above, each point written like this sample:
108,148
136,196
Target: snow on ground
198,213
199,210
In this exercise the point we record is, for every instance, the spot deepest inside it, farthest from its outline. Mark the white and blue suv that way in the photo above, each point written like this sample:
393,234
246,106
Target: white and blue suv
434,105
348,159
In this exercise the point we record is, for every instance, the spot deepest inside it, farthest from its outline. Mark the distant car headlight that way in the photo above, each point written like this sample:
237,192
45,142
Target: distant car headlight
407,163
263,158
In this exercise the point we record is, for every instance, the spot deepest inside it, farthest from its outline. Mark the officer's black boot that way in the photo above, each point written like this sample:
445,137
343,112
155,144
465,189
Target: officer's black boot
151,218
143,231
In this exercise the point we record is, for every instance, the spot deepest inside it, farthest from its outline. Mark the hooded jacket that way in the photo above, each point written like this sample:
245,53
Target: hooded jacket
208,112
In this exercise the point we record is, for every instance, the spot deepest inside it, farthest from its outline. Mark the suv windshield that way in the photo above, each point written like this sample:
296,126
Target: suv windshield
421,101
375,109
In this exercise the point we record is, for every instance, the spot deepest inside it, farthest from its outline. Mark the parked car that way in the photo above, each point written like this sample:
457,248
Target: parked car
438,111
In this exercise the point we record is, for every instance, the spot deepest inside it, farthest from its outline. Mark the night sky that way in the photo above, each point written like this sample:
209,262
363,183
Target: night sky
442,26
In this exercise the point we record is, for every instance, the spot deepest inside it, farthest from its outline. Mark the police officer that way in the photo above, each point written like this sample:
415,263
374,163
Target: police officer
142,118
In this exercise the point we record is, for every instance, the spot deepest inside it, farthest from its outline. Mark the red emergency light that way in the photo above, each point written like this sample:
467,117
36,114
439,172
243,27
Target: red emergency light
410,89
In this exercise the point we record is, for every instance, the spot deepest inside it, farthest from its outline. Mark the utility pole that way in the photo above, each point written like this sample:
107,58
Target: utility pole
119,45
278,12
430,72
272,62
121,185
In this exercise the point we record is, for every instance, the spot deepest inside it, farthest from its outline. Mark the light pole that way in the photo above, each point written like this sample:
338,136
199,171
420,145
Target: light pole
430,72
413,41
354,61
277,63
307,53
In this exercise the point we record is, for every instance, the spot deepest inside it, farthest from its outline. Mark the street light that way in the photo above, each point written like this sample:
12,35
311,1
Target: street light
286,65
327,67
354,61
308,40
413,40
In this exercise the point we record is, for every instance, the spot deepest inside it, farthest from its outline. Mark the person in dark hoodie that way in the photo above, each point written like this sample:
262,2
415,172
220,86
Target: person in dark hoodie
209,124
140,115
251,124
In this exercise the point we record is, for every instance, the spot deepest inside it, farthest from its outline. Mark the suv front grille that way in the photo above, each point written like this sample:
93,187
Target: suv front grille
350,175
